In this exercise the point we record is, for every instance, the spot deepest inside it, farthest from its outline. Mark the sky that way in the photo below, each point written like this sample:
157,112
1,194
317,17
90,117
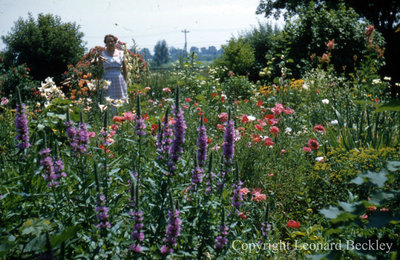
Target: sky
209,22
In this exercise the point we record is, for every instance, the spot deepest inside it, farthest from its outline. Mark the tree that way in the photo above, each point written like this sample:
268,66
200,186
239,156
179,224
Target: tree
238,56
146,53
46,45
161,53
383,14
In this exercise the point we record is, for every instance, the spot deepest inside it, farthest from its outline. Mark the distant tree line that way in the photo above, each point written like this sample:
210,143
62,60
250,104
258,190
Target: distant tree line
163,54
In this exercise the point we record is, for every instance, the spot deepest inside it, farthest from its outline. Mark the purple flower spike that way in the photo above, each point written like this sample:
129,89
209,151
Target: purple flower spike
137,235
21,126
179,138
202,144
229,142
173,232
140,126
221,240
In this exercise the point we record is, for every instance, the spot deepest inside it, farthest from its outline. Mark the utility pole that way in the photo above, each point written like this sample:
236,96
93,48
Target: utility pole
185,32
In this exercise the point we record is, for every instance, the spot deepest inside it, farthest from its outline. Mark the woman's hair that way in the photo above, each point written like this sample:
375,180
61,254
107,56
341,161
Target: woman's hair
110,35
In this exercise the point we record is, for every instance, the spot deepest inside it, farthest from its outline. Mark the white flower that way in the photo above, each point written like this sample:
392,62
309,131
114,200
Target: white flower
387,78
305,86
251,118
397,84
376,81
288,130
325,101
102,107
319,159
334,122
91,86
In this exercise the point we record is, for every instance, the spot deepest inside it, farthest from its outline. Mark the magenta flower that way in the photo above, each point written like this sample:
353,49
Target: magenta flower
21,126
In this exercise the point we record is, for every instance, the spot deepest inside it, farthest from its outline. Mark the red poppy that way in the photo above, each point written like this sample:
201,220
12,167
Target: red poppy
205,120
188,99
154,128
256,138
319,128
313,144
259,103
214,94
293,224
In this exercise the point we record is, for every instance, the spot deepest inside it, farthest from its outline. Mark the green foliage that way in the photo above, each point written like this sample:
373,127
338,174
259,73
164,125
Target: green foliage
308,36
46,45
238,56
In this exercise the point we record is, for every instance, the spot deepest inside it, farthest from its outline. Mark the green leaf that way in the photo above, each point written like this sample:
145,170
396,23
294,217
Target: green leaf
344,217
331,212
68,233
380,196
377,178
358,180
393,105
393,166
348,207
200,97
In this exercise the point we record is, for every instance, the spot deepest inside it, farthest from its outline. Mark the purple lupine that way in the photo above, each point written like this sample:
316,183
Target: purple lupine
237,196
221,240
220,184
197,177
48,166
83,137
179,138
202,144
21,126
265,228
172,233
102,214
59,168
140,126
229,142
71,131
137,235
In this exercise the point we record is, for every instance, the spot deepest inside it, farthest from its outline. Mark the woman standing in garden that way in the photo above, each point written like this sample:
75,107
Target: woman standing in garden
113,61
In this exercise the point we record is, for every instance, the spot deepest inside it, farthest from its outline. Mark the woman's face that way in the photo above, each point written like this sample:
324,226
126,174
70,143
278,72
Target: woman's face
110,42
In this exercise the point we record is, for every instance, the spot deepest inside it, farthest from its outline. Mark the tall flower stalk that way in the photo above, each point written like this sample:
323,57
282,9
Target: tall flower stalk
172,233
21,126
102,214
229,141
164,138
202,144
176,148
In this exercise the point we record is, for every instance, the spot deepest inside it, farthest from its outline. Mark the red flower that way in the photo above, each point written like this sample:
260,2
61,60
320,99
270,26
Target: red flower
274,130
154,128
269,116
256,138
268,142
188,99
259,103
245,119
209,140
213,94
313,144
118,119
273,121
293,224
114,127
221,127
319,128
205,120
307,149
243,215
331,44
258,127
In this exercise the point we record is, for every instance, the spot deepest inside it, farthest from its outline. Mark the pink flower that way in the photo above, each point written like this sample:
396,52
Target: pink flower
283,151
273,121
244,191
331,44
223,116
91,134
188,99
274,130
365,216
313,144
319,128
257,195
288,110
128,116
166,89
260,128
278,109
4,101
307,149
